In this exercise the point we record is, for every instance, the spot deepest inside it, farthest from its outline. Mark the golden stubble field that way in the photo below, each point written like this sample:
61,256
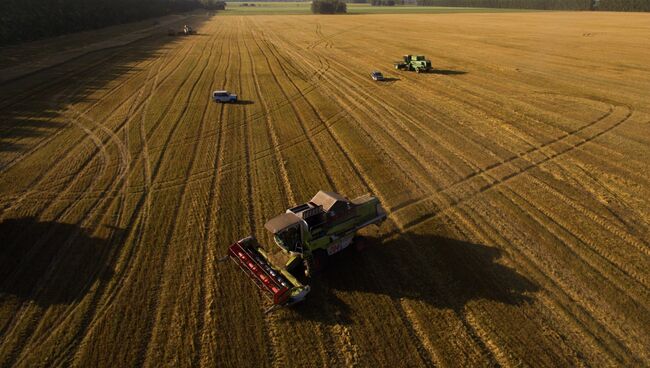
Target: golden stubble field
515,177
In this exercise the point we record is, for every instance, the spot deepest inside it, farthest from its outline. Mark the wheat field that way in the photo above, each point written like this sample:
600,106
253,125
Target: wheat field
515,177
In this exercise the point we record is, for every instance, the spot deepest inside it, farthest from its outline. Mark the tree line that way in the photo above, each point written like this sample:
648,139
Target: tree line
514,4
624,5
612,5
383,2
26,20
328,7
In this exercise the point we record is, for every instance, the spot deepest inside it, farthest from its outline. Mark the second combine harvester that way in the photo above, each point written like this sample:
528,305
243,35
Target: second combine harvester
308,234
417,63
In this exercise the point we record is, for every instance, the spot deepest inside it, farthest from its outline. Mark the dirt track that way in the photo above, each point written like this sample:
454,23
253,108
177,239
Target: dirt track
515,177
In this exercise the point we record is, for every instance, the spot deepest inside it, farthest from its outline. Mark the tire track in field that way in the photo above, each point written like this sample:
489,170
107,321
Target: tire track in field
123,181
624,119
565,135
351,107
22,311
113,89
72,146
214,194
573,245
93,137
134,218
517,172
296,111
49,138
140,221
598,188
86,192
486,113
53,263
336,91
611,110
481,99
64,78
535,269
326,40
612,331
427,352
600,252
146,350
90,134
27,95
197,176
255,116
85,220
277,355
526,262
107,292
202,303
497,181
273,107
399,118
458,81
103,147
346,344
267,328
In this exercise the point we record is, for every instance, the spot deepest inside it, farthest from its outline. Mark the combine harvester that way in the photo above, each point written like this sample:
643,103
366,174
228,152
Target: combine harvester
308,234
418,63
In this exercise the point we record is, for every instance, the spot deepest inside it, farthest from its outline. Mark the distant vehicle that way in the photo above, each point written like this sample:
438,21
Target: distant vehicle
187,30
377,76
224,96
418,63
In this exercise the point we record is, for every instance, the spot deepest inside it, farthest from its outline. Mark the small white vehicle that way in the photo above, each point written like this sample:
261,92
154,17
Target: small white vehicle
376,75
187,30
224,96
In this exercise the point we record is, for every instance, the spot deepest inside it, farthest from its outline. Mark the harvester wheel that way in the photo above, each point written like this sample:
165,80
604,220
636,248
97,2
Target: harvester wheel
317,263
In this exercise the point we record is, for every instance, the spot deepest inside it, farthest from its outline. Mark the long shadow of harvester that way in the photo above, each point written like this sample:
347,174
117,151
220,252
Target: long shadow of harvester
52,262
447,72
444,273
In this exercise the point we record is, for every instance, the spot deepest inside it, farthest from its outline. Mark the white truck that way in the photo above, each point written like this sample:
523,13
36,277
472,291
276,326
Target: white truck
224,96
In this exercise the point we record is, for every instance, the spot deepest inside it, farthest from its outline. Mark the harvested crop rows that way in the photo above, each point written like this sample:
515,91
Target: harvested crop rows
515,177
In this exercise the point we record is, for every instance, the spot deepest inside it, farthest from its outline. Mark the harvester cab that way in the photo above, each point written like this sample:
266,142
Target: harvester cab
308,233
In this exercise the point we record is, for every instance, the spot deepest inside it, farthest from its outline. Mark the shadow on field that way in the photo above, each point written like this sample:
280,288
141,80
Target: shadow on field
444,273
51,262
447,72
9,140
244,102
29,103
